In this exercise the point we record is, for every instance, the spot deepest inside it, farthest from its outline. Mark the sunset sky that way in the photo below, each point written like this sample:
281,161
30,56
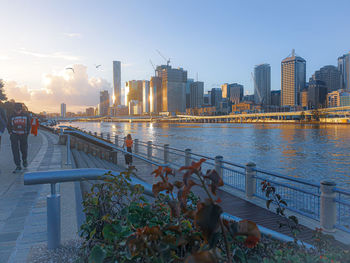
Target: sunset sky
219,40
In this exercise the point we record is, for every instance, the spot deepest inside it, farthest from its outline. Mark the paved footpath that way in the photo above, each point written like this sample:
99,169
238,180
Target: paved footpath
23,208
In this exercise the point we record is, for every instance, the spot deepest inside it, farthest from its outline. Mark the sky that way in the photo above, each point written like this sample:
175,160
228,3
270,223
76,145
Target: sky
221,41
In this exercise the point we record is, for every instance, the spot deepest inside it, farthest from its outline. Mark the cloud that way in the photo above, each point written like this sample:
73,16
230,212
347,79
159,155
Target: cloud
12,90
72,34
77,90
4,57
58,55
126,65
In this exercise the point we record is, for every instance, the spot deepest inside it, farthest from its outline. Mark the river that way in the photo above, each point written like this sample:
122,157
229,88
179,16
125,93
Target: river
314,152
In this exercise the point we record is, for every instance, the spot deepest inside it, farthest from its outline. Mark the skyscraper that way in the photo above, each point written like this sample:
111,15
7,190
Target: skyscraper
316,94
225,91
145,96
232,92
293,78
173,88
344,68
134,91
196,94
188,92
276,97
156,94
262,84
236,93
104,103
117,86
63,110
216,96
330,75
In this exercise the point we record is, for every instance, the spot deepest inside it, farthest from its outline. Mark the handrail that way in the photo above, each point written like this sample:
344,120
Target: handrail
71,175
341,191
298,180
113,146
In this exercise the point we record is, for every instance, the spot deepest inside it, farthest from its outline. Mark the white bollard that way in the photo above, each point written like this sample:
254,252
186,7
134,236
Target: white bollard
328,207
166,153
187,157
149,149
250,180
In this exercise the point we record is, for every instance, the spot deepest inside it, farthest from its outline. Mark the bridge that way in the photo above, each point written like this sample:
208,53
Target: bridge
279,116
342,112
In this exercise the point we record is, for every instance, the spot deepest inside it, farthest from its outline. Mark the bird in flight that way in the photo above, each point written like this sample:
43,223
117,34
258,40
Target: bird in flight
97,66
71,69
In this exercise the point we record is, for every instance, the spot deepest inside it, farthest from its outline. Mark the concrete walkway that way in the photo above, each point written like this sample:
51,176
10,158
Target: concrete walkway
23,208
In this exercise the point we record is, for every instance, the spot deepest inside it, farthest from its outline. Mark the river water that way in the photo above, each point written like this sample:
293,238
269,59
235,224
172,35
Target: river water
313,152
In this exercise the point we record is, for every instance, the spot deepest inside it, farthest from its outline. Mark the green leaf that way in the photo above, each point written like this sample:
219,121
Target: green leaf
268,202
92,233
97,255
108,232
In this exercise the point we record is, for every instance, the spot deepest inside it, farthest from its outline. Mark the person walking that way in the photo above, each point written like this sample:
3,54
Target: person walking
18,127
3,122
128,142
35,125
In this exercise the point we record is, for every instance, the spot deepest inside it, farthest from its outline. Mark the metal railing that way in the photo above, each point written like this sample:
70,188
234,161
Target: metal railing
322,202
53,200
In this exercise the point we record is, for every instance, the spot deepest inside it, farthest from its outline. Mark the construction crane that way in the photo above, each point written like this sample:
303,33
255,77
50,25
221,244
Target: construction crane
257,89
153,67
167,60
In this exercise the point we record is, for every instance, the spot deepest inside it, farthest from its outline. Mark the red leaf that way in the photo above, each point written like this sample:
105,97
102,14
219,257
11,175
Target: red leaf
161,186
216,180
208,218
158,171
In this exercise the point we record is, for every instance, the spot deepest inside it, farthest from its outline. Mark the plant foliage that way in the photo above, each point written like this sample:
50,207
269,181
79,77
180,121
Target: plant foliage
176,225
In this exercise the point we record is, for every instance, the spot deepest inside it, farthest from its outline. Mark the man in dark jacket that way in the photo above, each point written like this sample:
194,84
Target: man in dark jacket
3,122
19,127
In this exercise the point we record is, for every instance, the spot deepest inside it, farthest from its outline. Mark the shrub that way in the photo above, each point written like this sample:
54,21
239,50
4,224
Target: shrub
176,226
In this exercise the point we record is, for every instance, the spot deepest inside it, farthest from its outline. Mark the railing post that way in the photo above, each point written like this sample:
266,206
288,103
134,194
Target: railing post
108,137
136,145
68,150
149,149
115,157
187,157
166,153
53,219
328,207
116,140
250,180
61,131
218,165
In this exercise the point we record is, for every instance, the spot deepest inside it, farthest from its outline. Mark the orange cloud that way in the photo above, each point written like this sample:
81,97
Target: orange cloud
75,89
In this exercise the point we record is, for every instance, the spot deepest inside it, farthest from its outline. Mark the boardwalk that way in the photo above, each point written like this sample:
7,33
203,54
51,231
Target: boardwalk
23,208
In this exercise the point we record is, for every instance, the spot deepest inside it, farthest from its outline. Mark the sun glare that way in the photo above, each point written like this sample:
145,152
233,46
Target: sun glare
46,81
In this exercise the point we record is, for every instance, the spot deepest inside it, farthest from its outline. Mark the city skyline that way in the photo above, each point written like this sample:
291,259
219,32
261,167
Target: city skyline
33,62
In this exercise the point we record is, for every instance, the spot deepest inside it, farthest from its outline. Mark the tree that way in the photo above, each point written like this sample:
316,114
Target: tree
2,92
